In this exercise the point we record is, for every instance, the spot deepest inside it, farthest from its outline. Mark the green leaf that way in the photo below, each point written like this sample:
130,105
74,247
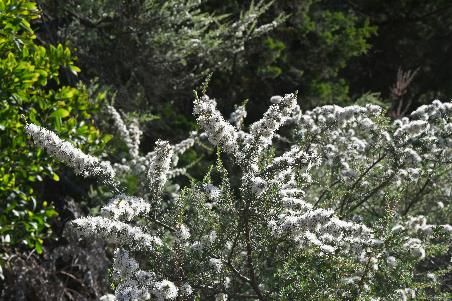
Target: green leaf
106,138
74,69
60,113
38,247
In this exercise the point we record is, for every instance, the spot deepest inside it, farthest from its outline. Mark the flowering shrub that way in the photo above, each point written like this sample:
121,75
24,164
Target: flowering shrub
341,204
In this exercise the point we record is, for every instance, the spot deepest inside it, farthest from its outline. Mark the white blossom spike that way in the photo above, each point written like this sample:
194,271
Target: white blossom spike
115,231
121,127
135,138
218,130
159,167
263,130
125,208
238,116
83,164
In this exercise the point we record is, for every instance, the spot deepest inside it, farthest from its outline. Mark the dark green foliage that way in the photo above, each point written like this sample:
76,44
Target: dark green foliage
331,51
306,53
154,52
411,34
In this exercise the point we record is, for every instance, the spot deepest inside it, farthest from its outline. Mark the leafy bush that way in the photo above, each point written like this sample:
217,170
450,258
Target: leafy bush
31,89
338,206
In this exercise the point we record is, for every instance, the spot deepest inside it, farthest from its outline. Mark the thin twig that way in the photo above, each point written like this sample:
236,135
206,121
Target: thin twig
350,190
325,191
375,190
249,260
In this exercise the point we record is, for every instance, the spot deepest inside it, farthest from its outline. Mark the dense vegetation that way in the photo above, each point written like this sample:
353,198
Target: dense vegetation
340,191
32,89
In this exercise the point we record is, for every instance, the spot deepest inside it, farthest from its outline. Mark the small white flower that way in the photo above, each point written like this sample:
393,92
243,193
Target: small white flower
212,191
186,289
165,290
182,232
110,230
160,166
221,297
216,264
258,185
107,297
391,261
276,99
125,208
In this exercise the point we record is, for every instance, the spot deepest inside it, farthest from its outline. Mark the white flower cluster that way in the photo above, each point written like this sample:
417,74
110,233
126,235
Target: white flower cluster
391,261
216,264
342,137
262,131
343,158
410,129
406,294
334,117
133,283
182,147
160,166
238,116
125,208
218,130
354,141
295,156
319,227
258,185
306,225
138,165
414,226
135,136
123,220
205,242
418,224
136,284
431,125
232,139
437,110
411,157
130,136
414,245
65,152
115,232
182,232
213,192
175,172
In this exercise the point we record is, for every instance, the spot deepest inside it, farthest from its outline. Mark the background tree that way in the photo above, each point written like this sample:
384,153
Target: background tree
412,35
154,53
305,53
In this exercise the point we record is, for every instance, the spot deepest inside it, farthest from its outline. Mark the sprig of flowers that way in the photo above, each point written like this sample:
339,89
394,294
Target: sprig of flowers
83,164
